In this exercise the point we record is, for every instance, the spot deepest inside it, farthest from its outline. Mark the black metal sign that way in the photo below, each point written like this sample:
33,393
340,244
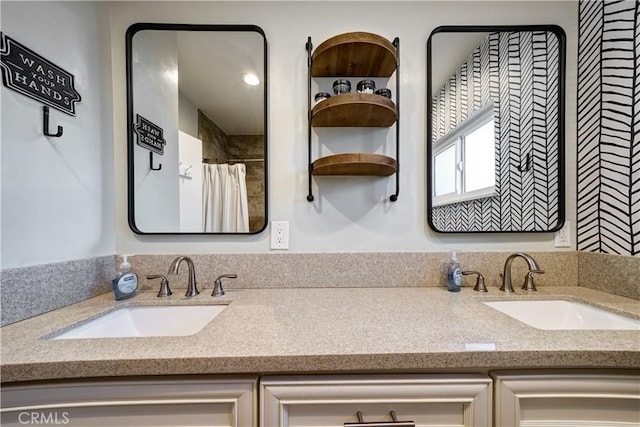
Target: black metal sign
149,135
30,74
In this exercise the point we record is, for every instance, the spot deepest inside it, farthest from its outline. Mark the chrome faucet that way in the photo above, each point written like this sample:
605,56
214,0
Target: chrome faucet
192,289
506,275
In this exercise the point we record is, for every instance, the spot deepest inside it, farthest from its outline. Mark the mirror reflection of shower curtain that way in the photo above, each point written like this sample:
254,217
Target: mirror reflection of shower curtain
224,194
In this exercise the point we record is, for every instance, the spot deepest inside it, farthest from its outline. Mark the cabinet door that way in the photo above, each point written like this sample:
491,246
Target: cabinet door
119,403
567,399
428,400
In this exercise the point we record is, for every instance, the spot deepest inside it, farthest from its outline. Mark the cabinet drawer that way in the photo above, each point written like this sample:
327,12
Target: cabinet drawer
586,399
427,400
158,403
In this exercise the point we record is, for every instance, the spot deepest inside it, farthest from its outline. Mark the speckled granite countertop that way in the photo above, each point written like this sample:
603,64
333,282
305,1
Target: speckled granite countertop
328,330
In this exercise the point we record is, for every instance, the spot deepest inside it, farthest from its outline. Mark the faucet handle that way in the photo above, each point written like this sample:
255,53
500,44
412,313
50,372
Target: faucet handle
480,286
217,285
528,281
164,291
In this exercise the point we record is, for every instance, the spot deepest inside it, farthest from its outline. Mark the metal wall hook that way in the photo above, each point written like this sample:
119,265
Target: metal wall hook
45,124
186,170
151,163
527,164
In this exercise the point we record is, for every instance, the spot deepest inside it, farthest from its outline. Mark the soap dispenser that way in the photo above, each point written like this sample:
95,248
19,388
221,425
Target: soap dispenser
454,274
125,283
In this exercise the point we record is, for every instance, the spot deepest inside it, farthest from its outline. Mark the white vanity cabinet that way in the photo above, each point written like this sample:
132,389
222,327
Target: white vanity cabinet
576,399
427,400
186,401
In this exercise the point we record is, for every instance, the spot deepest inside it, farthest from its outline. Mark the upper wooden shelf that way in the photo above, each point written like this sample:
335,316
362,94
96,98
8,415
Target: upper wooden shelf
356,54
354,110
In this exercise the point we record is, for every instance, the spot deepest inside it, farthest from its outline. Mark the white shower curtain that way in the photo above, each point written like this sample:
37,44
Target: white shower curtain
224,195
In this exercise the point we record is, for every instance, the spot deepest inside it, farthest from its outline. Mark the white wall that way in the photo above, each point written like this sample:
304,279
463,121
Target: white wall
190,154
57,193
188,115
349,214
155,95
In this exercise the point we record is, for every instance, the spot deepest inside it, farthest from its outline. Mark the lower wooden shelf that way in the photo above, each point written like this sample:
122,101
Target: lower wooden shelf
363,164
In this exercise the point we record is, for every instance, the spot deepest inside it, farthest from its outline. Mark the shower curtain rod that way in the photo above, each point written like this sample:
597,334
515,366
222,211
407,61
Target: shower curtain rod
233,160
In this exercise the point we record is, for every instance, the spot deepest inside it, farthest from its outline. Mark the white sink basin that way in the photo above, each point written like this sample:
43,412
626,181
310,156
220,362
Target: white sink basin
559,314
149,321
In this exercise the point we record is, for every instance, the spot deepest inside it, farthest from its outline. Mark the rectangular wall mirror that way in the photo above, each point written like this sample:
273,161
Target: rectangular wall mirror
197,128
495,128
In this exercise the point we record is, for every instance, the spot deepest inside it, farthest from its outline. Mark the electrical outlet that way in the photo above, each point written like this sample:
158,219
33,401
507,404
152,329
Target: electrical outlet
563,236
279,234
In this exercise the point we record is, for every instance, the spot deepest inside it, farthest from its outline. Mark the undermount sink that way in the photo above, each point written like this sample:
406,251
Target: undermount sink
146,321
562,314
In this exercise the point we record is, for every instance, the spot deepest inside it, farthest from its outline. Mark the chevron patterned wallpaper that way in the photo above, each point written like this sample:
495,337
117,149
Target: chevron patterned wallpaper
609,127
518,71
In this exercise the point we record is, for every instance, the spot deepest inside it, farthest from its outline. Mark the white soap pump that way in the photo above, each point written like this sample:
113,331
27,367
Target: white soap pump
125,283
454,274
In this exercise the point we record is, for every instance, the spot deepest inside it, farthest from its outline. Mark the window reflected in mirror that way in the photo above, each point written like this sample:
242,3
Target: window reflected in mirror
445,171
495,128
479,173
464,161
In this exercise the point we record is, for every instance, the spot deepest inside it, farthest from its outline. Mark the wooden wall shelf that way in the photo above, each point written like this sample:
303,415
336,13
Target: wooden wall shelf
354,110
363,164
354,54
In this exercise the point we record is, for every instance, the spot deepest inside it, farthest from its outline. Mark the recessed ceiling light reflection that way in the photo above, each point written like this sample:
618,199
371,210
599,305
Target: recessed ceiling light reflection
251,79
171,75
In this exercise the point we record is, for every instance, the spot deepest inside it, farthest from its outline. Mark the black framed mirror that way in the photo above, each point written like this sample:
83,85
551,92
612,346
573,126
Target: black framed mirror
197,128
495,128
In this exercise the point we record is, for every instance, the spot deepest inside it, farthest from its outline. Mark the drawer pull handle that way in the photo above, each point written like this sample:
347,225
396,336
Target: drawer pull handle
393,423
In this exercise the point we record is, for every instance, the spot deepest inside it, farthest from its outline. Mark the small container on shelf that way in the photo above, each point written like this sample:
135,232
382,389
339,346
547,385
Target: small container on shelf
321,96
341,86
384,92
366,86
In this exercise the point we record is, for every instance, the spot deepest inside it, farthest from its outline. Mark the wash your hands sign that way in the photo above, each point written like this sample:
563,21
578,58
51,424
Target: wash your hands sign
30,74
